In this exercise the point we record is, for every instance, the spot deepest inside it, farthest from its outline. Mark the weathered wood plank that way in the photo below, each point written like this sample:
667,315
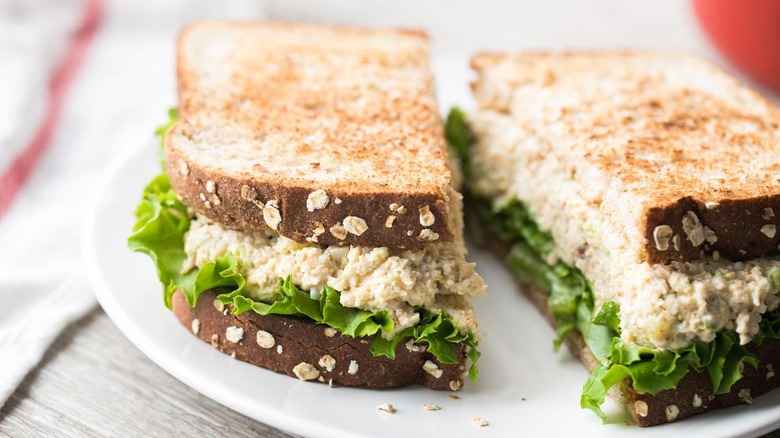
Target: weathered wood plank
94,382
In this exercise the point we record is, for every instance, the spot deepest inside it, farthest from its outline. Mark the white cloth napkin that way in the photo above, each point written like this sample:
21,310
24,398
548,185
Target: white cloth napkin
41,286
119,93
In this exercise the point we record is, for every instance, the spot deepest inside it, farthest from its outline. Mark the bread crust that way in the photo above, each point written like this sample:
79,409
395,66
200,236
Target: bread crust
739,225
282,113
682,151
692,390
228,207
294,341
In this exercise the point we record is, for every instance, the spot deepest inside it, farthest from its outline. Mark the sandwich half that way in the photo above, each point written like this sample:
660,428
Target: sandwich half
306,221
637,195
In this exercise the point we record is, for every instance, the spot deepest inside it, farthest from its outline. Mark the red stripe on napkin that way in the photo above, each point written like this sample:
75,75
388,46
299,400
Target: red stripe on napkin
21,168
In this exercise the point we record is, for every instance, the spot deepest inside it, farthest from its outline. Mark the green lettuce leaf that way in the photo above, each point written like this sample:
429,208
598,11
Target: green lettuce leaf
566,286
513,222
173,117
570,299
529,267
609,316
162,220
459,138
597,337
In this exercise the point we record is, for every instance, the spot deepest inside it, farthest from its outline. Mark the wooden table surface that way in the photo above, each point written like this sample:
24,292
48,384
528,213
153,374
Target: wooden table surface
94,383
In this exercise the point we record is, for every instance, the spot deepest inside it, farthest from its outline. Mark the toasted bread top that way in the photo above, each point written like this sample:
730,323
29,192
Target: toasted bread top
695,149
320,133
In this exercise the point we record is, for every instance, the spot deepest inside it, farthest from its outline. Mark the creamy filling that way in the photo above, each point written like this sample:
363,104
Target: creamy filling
436,277
681,303
596,230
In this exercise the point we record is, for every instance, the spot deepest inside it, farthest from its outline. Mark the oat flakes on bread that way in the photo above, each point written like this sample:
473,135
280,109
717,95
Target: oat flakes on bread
313,352
306,222
635,192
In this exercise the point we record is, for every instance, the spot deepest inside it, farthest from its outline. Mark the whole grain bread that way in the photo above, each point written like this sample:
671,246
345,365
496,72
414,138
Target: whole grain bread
322,133
693,395
684,153
309,351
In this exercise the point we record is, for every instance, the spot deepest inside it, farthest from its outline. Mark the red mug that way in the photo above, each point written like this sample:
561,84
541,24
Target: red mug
747,34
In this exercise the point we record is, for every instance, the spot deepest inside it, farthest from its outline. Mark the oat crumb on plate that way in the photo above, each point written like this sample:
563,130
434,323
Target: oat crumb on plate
386,407
479,422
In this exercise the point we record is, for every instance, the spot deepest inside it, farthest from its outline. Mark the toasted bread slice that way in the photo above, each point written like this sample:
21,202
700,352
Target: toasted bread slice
302,349
325,134
681,153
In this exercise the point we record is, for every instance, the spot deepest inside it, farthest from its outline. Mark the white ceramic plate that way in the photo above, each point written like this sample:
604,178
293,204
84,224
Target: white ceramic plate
524,387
